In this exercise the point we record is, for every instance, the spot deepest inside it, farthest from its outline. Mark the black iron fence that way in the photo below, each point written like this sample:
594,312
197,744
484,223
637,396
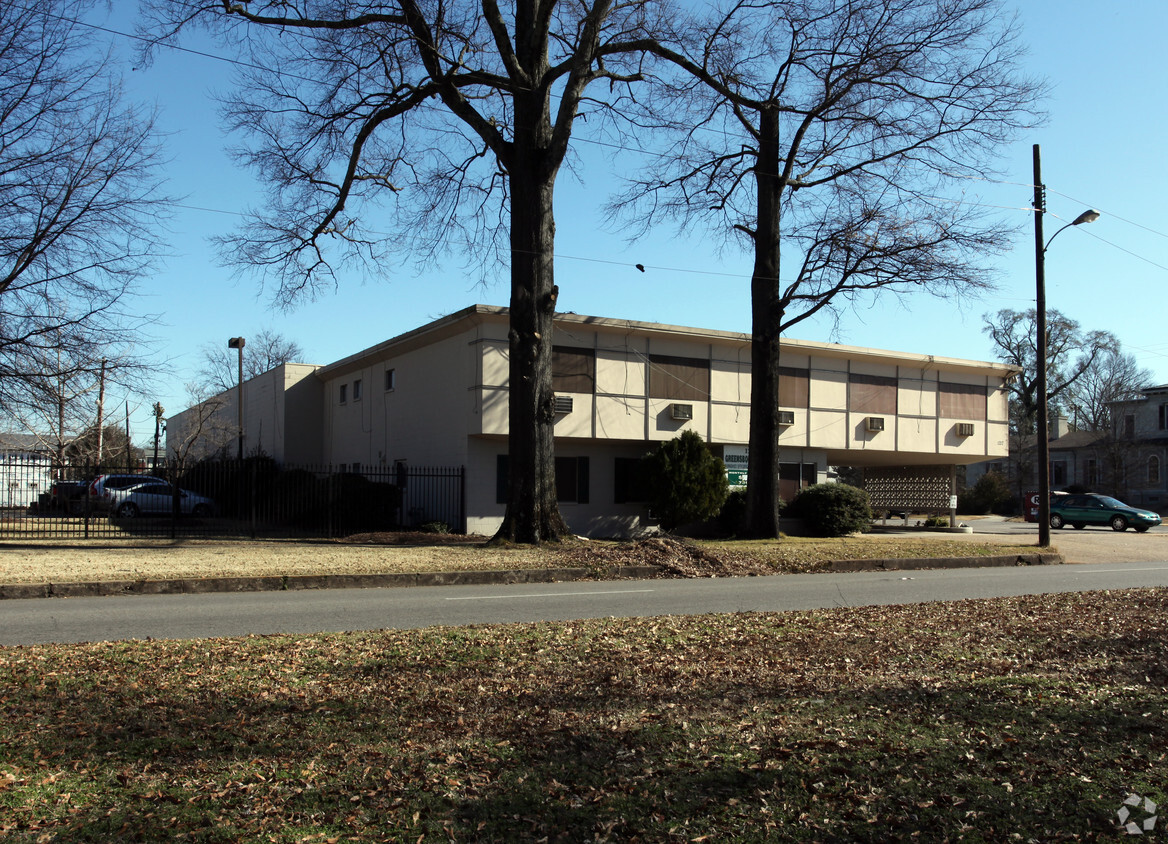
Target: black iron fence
254,497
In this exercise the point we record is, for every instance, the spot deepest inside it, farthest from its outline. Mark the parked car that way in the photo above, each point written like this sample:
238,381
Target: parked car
69,495
1090,509
157,497
101,488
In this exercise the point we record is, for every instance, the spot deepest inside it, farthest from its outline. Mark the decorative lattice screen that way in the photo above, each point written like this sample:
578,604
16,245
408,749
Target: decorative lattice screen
916,488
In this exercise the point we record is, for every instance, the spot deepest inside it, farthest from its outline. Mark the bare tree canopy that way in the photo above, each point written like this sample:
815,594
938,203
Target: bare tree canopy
836,128
1112,376
425,128
264,350
1071,352
82,210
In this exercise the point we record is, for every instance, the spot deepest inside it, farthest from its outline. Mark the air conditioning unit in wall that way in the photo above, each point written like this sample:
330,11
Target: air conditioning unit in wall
563,404
965,429
786,417
874,423
682,411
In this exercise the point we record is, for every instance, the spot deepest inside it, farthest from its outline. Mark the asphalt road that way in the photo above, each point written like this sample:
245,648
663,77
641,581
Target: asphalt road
235,614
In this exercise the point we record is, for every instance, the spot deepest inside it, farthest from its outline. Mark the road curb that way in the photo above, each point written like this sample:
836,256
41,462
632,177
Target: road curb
277,583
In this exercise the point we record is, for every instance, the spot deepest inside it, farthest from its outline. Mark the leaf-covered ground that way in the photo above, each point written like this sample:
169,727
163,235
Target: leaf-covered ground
1028,719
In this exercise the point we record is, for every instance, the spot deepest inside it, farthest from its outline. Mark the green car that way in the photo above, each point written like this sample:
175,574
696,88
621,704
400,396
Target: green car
1082,510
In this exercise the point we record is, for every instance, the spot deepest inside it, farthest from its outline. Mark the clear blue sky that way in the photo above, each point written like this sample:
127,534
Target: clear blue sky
1102,148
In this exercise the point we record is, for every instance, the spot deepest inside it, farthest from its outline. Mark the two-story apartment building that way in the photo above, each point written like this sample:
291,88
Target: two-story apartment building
438,396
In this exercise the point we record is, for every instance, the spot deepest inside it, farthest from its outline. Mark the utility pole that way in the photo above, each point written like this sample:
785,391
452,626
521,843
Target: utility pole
1040,342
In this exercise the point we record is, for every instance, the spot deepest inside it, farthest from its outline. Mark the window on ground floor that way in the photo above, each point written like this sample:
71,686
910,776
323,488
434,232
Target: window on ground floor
794,477
1058,473
572,479
1153,471
628,481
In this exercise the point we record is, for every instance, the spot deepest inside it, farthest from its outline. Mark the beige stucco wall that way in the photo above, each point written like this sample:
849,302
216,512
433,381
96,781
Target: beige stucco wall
425,419
281,412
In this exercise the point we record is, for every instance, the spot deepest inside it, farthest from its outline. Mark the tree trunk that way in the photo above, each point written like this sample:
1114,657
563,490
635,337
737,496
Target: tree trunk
533,514
766,305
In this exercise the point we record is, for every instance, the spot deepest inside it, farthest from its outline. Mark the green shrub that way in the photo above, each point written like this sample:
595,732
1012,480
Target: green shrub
937,521
685,481
832,509
733,513
991,494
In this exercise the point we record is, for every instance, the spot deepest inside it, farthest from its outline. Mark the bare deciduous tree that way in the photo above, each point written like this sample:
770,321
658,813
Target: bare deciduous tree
1111,377
1070,353
266,349
455,115
835,127
82,207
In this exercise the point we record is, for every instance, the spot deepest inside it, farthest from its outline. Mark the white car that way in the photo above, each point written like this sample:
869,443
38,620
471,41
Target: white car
157,497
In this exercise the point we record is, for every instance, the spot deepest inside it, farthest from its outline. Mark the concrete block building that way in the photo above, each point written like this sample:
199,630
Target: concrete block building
437,395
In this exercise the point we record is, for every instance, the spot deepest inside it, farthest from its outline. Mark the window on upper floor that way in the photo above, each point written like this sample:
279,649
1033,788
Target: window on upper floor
872,394
961,401
357,390
1129,427
390,379
794,387
344,395
573,370
679,379
1164,417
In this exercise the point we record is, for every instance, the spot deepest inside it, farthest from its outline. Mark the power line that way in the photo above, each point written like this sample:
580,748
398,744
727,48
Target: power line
610,145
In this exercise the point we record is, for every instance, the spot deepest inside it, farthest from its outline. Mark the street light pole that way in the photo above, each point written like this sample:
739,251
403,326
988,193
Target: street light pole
1040,342
158,411
238,343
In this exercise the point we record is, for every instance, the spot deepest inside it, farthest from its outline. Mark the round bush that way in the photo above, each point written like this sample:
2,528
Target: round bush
832,509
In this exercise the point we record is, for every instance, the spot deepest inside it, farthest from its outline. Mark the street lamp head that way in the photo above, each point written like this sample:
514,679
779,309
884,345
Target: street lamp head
1088,216
235,343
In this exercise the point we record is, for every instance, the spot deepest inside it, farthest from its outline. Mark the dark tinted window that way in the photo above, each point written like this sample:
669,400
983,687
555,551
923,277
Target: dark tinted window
679,379
573,370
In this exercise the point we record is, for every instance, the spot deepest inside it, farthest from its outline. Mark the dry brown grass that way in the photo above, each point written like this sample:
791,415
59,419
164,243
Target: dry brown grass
96,560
